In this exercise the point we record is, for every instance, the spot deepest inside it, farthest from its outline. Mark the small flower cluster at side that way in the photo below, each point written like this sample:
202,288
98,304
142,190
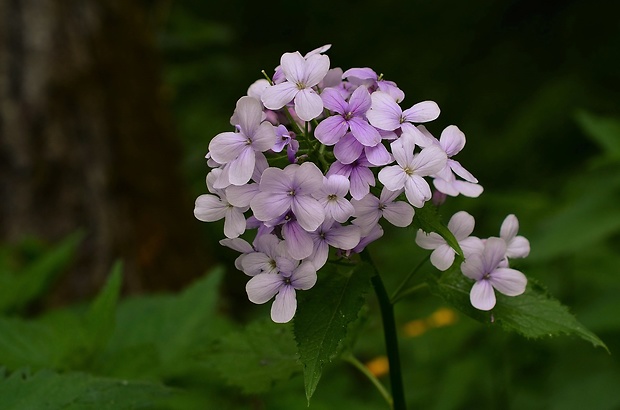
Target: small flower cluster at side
316,158
486,260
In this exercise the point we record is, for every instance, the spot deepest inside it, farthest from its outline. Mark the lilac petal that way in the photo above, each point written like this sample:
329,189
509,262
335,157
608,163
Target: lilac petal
510,282
471,245
494,252
473,267
340,210
360,101
318,50
376,232
308,104
304,277
256,89
298,242
399,213
331,130
344,237
442,257
422,112
461,225
260,166
256,262
364,73
333,101
445,187
309,212
509,228
277,96
337,185
209,208
390,88
518,247
417,191
264,138
393,177
316,67
319,254
293,66
366,204
275,180
268,244
285,263
482,296
242,167
241,196
460,171
234,224
378,155
419,138
267,206
389,196
429,241
361,180
284,306
222,181
308,179
347,149
261,288
333,78
468,189
365,133
225,147
248,115
429,161
452,140
384,113
367,222
402,149
237,244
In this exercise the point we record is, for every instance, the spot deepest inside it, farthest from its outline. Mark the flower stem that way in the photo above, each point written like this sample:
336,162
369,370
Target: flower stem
391,338
360,366
395,295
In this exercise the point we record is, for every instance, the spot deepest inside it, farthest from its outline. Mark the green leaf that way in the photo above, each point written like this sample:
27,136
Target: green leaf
533,314
256,357
101,317
429,220
602,130
47,390
19,288
165,330
323,315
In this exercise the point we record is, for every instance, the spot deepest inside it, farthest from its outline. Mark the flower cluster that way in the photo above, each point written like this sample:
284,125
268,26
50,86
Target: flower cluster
317,158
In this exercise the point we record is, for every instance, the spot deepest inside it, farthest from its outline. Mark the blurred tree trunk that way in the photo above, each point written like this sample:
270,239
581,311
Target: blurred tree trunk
86,142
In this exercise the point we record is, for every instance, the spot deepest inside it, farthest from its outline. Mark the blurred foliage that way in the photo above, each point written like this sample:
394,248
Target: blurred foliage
530,85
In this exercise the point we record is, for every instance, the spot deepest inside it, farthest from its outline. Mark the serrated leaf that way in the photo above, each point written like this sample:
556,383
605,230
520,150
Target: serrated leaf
47,390
427,218
256,357
533,314
17,290
323,315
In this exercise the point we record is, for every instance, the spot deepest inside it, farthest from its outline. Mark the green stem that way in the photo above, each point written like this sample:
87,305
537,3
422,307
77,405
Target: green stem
395,295
360,366
389,332
409,291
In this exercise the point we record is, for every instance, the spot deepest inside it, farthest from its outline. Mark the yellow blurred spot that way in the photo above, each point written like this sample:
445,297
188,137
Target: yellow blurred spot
415,328
378,366
442,317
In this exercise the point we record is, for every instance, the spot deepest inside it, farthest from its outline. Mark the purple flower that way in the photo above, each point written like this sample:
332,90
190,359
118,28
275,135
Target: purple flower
375,233
367,77
461,225
210,208
239,245
386,114
333,234
262,287
452,141
358,173
350,115
237,150
370,209
264,259
489,271
348,149
411,169
301,75
516,246
287,189
332,197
